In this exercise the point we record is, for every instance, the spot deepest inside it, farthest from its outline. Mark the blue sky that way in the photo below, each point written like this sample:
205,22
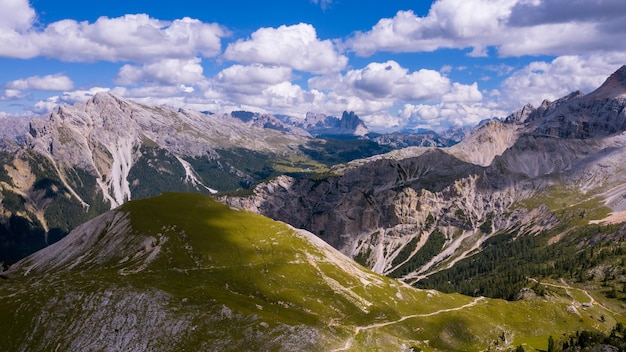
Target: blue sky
396,63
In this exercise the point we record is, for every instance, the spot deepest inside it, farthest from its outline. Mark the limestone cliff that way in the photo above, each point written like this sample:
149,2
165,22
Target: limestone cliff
383,211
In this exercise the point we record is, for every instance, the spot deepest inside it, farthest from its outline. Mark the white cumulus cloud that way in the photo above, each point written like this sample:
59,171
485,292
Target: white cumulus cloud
551,80
294,46
165,71
251,79
462,93
16,15
48,82
443,115
254,74
386,80
11,94
390,80
426,97
513,27
133,37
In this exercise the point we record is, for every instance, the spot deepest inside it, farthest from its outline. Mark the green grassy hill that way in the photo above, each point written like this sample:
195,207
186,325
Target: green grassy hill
184,272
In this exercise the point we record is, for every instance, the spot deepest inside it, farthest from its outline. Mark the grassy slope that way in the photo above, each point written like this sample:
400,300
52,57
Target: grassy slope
230,280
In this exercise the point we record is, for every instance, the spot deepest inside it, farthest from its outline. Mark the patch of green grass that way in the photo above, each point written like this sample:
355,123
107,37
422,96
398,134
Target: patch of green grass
572,207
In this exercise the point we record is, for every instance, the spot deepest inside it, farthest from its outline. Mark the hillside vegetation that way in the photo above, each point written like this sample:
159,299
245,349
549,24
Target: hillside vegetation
184,270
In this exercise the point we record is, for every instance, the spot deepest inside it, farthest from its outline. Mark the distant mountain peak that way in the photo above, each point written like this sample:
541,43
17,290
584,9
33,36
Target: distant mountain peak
521,115
613,87
576,115
321,124
351,122
104,98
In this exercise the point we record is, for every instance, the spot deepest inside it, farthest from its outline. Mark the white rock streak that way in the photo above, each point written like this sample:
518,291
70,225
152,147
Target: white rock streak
117,183
191,177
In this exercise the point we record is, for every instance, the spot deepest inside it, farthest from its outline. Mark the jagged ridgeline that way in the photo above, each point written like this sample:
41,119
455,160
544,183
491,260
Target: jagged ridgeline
64,168
540,194
184,272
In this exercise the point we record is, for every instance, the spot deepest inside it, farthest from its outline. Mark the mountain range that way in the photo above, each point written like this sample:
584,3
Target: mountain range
418,212
528,208
66,167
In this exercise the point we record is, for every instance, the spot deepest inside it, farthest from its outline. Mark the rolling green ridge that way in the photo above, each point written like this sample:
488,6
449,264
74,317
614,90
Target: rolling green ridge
184,272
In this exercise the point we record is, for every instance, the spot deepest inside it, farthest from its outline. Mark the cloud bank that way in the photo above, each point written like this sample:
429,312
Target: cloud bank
289,69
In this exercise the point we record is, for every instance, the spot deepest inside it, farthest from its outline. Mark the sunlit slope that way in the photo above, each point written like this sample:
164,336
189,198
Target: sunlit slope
184,272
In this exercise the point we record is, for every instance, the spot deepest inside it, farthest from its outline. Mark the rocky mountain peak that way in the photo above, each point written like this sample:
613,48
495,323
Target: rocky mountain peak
613,87
486,142
321,124
455,133
102,98
350,121
520,116
577,115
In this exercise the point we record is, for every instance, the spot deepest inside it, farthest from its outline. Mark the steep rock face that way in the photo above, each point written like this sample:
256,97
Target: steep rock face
600,113
536,156
486,142
455,133
104,137
351,122
13,132
348,124
520,116
390,211
613,87
375,210
66,167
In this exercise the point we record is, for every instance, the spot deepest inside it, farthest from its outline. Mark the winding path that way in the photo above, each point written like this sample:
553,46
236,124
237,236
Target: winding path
358,329
567,287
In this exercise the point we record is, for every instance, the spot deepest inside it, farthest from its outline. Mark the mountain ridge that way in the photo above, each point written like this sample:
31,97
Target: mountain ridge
72,164
573,146
383,210
147,276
